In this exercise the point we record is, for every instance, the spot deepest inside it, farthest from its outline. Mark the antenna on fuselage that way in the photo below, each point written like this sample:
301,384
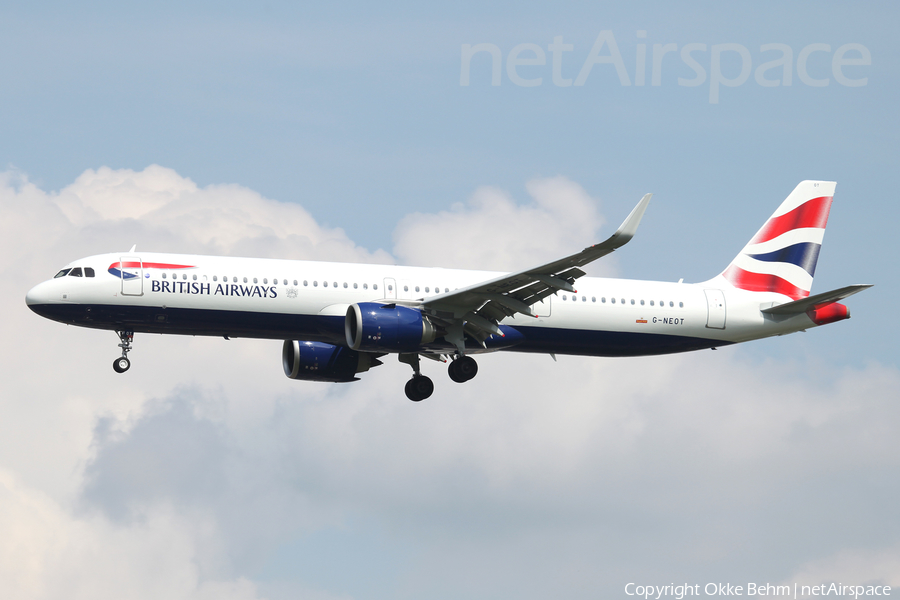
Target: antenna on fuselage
132,249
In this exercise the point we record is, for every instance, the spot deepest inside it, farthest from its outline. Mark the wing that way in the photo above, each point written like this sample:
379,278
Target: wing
477,309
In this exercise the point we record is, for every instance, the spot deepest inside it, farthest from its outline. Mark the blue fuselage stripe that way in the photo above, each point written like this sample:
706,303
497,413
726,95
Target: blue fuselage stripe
330,329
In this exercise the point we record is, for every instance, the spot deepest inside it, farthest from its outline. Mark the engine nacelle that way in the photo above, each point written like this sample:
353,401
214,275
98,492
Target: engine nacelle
375,327
316,361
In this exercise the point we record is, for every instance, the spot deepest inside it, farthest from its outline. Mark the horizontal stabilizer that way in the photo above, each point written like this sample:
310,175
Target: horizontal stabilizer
801,306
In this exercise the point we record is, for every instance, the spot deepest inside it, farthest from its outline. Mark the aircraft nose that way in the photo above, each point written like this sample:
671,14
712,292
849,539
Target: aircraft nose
39,294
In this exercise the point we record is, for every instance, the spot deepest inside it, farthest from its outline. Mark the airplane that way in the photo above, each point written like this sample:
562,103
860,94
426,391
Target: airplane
337,320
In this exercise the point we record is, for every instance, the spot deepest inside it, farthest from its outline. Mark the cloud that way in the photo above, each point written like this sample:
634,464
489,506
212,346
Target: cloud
157,208
45,552
853,567
206,473
492,232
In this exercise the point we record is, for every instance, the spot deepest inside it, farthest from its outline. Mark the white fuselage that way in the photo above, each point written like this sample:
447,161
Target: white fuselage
290,300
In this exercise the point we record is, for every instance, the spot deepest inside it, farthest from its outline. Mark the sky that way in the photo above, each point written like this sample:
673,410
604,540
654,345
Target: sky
373,133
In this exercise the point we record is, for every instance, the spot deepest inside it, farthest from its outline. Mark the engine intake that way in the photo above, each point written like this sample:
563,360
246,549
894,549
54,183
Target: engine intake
375,327
316,361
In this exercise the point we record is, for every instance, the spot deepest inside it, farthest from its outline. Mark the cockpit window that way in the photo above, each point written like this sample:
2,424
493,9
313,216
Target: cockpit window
62,273
76,272
88,272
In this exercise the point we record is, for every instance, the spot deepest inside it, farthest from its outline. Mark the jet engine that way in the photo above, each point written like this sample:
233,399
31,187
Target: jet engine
316,361
375,327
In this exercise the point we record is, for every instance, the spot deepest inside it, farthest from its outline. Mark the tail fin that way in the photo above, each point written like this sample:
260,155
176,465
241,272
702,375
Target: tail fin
782,256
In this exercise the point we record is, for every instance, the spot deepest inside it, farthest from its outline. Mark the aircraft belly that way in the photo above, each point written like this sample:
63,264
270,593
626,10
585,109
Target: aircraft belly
191,321
593,342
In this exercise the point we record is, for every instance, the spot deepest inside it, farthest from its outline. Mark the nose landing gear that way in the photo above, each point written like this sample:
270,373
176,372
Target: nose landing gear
122,364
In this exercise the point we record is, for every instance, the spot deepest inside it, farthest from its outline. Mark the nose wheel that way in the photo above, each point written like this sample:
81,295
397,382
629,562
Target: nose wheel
463,369
122,364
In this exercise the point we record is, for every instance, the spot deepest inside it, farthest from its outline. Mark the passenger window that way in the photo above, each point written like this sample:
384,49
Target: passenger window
195,278
405,288
76,272
583,299
623,300
375,286
651,303
613,300
355,285
681,305
593,298
88,272
427,289
365,286
324,284
315,284
304,283
265,281
164,276
417,288
671,304
603,300
345,285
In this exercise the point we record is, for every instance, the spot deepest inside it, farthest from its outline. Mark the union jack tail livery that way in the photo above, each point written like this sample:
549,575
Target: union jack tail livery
782,256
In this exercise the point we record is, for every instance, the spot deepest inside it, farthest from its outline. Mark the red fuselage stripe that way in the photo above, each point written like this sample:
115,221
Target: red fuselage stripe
132,264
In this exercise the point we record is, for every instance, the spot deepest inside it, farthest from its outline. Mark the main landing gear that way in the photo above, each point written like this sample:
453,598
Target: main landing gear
122,364
463,369
419,387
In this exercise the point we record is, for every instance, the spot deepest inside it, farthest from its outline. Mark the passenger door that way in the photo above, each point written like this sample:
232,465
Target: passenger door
390,288
131,270
715,301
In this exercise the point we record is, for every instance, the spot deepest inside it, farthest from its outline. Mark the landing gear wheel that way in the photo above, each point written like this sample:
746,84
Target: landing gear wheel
453,371
463,369
419,387
121,364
